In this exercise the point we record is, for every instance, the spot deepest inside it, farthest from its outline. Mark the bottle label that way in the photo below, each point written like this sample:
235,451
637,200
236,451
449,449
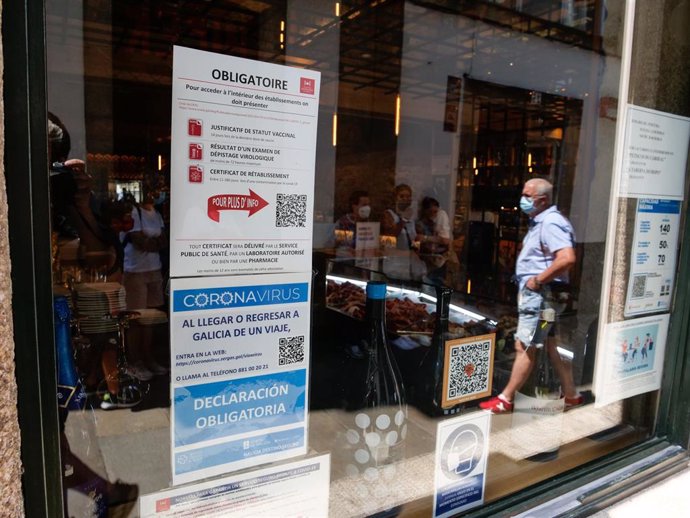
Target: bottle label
380,434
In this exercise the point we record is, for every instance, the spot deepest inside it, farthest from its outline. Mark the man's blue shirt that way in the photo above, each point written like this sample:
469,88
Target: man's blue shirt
549,231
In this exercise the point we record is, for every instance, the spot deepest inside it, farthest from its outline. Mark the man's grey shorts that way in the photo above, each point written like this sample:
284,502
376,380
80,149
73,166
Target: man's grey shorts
530,305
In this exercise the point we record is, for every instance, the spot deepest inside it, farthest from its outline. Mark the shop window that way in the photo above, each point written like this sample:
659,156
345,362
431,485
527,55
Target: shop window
425,107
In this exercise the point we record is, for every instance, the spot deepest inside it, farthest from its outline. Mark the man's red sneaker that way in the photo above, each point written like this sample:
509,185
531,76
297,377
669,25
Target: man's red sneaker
572,402
497,405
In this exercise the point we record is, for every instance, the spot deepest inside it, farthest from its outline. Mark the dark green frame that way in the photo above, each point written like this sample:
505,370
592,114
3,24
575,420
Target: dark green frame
28,194
26,166
674,406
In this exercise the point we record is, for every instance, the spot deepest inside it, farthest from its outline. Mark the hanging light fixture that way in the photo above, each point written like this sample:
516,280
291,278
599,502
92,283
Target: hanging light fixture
282,34
335,129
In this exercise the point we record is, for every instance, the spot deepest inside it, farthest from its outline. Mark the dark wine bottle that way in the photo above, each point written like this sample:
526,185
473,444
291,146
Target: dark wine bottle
546,385
381,421
429,394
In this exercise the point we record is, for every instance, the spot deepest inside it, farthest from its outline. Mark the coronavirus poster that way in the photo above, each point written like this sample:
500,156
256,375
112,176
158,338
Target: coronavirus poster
240,349
242,165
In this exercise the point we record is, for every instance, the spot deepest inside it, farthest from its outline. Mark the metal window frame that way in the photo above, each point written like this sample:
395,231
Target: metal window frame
26,166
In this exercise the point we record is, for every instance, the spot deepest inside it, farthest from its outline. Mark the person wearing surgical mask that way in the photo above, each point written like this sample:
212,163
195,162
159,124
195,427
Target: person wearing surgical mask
399,221
541,272
346,226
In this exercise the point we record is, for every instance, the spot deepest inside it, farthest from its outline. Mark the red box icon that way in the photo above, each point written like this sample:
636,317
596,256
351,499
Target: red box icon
194,127
307,85
196,174
196,151
162,505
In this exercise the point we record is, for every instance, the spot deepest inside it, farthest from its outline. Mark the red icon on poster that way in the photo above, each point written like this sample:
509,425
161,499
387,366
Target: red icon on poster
196,151
196,174
162,505
194,127
306,85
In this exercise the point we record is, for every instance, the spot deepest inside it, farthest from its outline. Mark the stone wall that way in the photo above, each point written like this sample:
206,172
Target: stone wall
11,501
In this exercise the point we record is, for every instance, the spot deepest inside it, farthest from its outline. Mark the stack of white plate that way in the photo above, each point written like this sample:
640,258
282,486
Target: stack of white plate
98,304
151,317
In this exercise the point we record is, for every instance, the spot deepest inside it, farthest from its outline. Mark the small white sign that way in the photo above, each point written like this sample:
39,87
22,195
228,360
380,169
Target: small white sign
630,358
653,256
655,154
367,236
462,449
297,489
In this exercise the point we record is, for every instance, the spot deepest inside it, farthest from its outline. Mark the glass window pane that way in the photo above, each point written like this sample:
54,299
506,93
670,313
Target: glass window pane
432,118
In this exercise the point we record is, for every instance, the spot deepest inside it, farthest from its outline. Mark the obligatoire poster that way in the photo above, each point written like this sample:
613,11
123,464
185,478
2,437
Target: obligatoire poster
242,165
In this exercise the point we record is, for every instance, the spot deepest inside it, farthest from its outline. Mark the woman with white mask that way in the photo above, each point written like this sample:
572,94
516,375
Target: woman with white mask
346,226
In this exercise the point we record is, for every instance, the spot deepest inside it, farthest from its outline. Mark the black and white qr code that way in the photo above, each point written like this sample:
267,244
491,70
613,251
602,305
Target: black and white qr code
468,371
290,350
291,210
639,286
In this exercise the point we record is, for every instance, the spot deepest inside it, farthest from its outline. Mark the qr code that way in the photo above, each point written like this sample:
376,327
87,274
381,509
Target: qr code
639,286
291,350
291,210
468,371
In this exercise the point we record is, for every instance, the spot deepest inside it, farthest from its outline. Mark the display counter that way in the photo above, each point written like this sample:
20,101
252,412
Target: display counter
445,363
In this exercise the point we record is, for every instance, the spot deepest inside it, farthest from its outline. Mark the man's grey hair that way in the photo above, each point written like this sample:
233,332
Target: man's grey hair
542,187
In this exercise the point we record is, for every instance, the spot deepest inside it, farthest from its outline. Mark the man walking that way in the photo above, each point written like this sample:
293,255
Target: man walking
547,255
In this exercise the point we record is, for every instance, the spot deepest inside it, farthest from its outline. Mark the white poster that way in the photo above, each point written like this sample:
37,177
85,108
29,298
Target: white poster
655,154
653,257
462,449
297,489
631,358
239,372
242,165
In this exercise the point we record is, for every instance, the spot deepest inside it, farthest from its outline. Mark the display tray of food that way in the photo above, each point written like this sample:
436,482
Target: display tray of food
409,313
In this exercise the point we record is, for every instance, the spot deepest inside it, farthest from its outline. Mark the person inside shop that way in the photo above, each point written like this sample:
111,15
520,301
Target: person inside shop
346,227
143,282
398,226
433,233
398,222
541,271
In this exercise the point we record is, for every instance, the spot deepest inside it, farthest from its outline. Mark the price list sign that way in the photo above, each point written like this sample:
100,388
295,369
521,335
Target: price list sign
653,259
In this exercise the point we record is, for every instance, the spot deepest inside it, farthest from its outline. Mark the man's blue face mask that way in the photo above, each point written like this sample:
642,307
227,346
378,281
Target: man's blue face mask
527,205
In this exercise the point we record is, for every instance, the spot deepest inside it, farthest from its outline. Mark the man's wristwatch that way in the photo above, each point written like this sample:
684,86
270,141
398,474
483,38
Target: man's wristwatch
536,281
